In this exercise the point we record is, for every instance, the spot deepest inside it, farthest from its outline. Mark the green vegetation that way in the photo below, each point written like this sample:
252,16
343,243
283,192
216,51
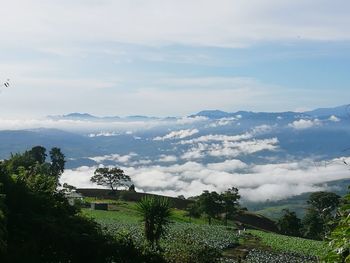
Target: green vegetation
126,212
289,224
317,222
156,212
184,242
38,224
291,244
213,205
110,177
339,245
275,212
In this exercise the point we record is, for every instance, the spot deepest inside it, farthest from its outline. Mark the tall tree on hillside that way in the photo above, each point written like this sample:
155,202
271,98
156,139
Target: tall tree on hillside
289,224
230,202
57,162
110,177
39,154
193,210
313,225
320,213
210,204
324,202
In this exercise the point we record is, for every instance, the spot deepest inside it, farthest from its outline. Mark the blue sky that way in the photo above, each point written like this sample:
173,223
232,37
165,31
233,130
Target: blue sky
173,57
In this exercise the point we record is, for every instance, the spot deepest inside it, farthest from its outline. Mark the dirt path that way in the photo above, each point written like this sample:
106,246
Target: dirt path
239,253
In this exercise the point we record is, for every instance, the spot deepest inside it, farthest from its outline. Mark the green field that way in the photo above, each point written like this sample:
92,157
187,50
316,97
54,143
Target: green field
188,237
291,244
126,212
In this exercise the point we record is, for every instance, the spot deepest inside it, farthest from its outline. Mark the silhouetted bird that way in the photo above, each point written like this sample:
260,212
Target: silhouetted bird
7,83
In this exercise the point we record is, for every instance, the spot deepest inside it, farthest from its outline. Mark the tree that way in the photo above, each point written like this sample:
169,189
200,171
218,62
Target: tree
339,245
3,230
230,203
37,224
289,224
193,210
39,154
156,212
210,204
111,177
313,225
57,162
324,202
320,213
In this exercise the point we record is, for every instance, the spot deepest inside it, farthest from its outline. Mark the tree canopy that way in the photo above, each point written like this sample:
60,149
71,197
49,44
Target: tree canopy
37,224
110,177
289,224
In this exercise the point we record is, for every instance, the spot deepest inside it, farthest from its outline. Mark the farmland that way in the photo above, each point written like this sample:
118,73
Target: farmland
193,240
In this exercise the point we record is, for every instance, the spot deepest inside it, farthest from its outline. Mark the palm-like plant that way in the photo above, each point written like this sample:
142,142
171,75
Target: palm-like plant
156,213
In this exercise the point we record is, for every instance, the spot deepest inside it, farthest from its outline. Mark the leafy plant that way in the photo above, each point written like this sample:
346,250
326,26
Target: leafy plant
156,212
339,245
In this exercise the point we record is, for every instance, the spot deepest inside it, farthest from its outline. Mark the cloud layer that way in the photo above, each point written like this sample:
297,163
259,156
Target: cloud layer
256,183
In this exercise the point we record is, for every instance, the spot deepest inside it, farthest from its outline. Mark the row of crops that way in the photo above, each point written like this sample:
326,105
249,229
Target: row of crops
188,242
291,244
219,237
184,242
262,256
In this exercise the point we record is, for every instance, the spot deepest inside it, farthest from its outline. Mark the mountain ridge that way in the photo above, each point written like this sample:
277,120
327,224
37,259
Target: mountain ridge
338,111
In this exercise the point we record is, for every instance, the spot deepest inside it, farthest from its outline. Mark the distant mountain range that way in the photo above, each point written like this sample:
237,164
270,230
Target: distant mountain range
269,155
340,111
89,117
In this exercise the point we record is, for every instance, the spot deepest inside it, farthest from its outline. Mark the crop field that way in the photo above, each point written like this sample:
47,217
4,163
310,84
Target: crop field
215,236
193,240
291,244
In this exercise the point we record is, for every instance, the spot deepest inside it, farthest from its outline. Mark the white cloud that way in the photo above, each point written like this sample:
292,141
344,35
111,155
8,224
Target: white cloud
177,135
218,137
190,120
114,157
223,122
104,134
227,166
334,118
260,129
232,149
304,124
255,182
167,158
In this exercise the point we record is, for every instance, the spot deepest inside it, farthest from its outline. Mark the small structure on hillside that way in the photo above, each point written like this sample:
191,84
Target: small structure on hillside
73,197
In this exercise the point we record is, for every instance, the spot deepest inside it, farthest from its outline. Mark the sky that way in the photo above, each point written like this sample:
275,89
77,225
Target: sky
172,57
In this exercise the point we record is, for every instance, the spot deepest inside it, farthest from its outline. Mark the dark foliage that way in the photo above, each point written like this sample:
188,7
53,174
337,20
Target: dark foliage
111,177
38,225
156,212
289,224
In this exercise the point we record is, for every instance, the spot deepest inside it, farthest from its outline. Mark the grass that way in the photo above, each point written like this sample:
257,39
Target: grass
126,212
291,244
275,212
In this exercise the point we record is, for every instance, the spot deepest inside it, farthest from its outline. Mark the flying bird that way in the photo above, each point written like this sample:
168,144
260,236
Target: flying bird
7,83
